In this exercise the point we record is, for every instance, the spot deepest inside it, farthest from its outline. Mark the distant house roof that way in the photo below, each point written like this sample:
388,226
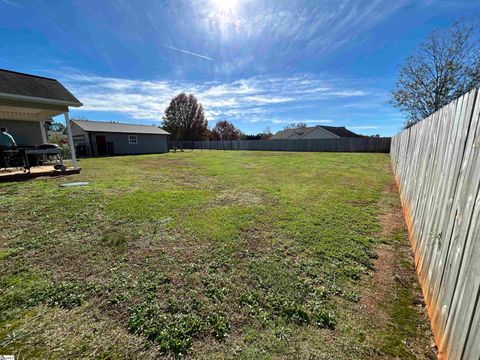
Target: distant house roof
286,134
21,86
300,132
114,127
340,131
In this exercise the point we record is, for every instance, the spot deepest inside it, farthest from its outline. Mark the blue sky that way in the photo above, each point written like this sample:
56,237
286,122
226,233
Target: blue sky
256,63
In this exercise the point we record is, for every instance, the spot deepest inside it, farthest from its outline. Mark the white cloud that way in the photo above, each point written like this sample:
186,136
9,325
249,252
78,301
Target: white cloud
292,31
262,99
348,93
250,99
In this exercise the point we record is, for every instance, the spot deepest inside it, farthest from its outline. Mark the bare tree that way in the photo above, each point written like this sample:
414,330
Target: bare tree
299,125
184,118
266,133
445,66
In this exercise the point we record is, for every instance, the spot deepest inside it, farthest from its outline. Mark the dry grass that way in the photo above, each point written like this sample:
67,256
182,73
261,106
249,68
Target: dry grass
210,255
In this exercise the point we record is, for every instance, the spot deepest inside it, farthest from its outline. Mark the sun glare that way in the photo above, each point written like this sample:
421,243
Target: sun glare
225,16
225,6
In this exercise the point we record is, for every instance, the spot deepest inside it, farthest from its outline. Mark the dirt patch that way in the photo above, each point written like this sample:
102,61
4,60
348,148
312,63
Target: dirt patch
245,198
64,264
391,216
391,296
391,220
379,282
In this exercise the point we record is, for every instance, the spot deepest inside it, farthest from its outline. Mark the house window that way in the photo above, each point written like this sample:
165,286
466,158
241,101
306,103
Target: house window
132,139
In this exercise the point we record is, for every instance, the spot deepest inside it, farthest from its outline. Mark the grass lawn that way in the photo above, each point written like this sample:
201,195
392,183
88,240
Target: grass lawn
211,255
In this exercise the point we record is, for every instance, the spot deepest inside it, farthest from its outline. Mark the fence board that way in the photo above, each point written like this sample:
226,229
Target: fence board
437,168
380,145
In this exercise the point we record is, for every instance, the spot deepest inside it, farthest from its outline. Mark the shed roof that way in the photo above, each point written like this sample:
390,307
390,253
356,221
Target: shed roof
114,127
25,86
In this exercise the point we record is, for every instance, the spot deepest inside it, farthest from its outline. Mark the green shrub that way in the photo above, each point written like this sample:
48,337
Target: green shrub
213,289
66,294
324,319
150,281
219,325
173,333
352,296
294,312
354,272
114,239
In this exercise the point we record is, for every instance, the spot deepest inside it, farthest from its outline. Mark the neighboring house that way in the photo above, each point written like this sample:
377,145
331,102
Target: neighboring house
99,138
314,132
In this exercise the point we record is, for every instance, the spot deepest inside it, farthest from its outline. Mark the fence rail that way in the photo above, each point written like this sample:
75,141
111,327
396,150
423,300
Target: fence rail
381,145
437,168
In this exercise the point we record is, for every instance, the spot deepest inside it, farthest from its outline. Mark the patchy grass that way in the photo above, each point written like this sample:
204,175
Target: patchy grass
205,255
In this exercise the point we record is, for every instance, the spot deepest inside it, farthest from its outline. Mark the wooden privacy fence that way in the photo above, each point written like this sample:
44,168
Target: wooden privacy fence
437,168
365,144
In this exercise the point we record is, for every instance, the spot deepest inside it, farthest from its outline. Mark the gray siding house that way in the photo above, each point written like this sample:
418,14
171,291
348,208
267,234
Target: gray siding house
315,132
100,138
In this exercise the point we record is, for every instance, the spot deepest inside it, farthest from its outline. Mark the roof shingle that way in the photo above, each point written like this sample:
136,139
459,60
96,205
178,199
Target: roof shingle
113,127
339,131
16,83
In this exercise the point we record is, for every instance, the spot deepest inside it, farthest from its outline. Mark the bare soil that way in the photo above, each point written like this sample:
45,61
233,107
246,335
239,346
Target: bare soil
393,281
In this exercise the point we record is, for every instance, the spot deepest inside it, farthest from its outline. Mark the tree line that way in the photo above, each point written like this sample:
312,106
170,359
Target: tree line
185,119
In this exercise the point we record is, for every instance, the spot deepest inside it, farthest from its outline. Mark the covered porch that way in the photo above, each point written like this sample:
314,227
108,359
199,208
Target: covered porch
27,103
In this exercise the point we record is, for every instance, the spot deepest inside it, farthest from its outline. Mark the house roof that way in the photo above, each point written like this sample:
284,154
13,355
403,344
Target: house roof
340,131
286,134
22,86
300,132
114,127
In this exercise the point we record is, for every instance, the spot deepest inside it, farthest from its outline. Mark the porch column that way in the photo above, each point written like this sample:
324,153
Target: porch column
70,141
43,132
